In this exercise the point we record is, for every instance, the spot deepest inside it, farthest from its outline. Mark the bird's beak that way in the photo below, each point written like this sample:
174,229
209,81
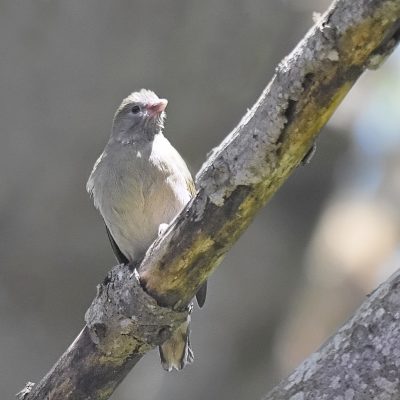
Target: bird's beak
158,107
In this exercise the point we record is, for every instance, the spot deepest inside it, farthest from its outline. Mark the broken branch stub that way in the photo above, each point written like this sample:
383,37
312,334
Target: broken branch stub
124,319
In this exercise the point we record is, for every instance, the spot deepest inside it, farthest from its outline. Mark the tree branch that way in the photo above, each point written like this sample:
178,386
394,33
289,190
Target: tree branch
361,361
249,166
235,182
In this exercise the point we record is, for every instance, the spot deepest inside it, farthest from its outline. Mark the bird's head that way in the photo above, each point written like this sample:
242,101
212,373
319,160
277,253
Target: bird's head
139,117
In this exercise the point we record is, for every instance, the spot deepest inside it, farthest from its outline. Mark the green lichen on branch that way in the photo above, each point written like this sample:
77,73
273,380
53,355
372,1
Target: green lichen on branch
260,153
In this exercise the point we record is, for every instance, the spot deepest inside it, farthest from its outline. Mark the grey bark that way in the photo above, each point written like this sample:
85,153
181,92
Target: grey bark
235,182
360,362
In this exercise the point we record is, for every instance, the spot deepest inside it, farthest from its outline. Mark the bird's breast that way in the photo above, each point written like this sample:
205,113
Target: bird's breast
138,195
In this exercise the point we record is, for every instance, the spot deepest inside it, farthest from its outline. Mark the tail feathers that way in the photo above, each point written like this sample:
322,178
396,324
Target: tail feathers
176,351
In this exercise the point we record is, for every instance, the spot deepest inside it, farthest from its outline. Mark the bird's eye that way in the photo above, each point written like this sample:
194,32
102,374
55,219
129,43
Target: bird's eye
135,109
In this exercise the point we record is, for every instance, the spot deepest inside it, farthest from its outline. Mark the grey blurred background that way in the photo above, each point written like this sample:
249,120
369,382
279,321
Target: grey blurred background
326,239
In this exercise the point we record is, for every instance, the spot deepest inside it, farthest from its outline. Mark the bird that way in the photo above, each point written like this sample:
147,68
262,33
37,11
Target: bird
139,184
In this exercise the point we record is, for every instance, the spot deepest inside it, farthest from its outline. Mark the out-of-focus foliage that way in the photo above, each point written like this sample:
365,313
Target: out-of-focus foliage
65,66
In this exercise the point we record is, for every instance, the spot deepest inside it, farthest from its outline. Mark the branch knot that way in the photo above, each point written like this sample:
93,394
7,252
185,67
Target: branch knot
123,317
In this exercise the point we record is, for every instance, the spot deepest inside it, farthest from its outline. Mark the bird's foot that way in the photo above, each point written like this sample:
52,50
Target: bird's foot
309,155
132,265
161,229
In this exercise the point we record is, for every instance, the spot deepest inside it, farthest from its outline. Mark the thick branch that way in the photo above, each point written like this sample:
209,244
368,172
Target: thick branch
361,361
257,157
236,181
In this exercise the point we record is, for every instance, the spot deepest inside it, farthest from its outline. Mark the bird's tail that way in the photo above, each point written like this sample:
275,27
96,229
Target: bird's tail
176,351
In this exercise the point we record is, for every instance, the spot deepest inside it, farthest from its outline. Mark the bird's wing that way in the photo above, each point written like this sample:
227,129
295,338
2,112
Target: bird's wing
117,252
190,184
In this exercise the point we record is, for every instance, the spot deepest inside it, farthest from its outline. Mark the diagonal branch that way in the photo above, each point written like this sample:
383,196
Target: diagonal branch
360,362
239,177
257,157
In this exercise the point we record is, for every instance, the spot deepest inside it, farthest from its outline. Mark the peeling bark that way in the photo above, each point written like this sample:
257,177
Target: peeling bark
235,182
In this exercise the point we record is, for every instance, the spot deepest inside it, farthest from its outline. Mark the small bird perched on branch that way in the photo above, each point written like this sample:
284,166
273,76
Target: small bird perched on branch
139,184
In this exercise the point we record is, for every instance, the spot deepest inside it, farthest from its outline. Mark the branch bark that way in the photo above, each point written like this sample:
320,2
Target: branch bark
361,361
234,183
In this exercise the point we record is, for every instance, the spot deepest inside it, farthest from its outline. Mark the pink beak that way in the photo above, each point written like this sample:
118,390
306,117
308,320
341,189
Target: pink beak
158,107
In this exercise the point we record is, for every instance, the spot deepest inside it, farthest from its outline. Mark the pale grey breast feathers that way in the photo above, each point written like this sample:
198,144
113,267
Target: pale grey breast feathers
138,188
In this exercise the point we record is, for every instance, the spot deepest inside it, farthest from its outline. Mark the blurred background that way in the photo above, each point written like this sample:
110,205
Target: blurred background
325,240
